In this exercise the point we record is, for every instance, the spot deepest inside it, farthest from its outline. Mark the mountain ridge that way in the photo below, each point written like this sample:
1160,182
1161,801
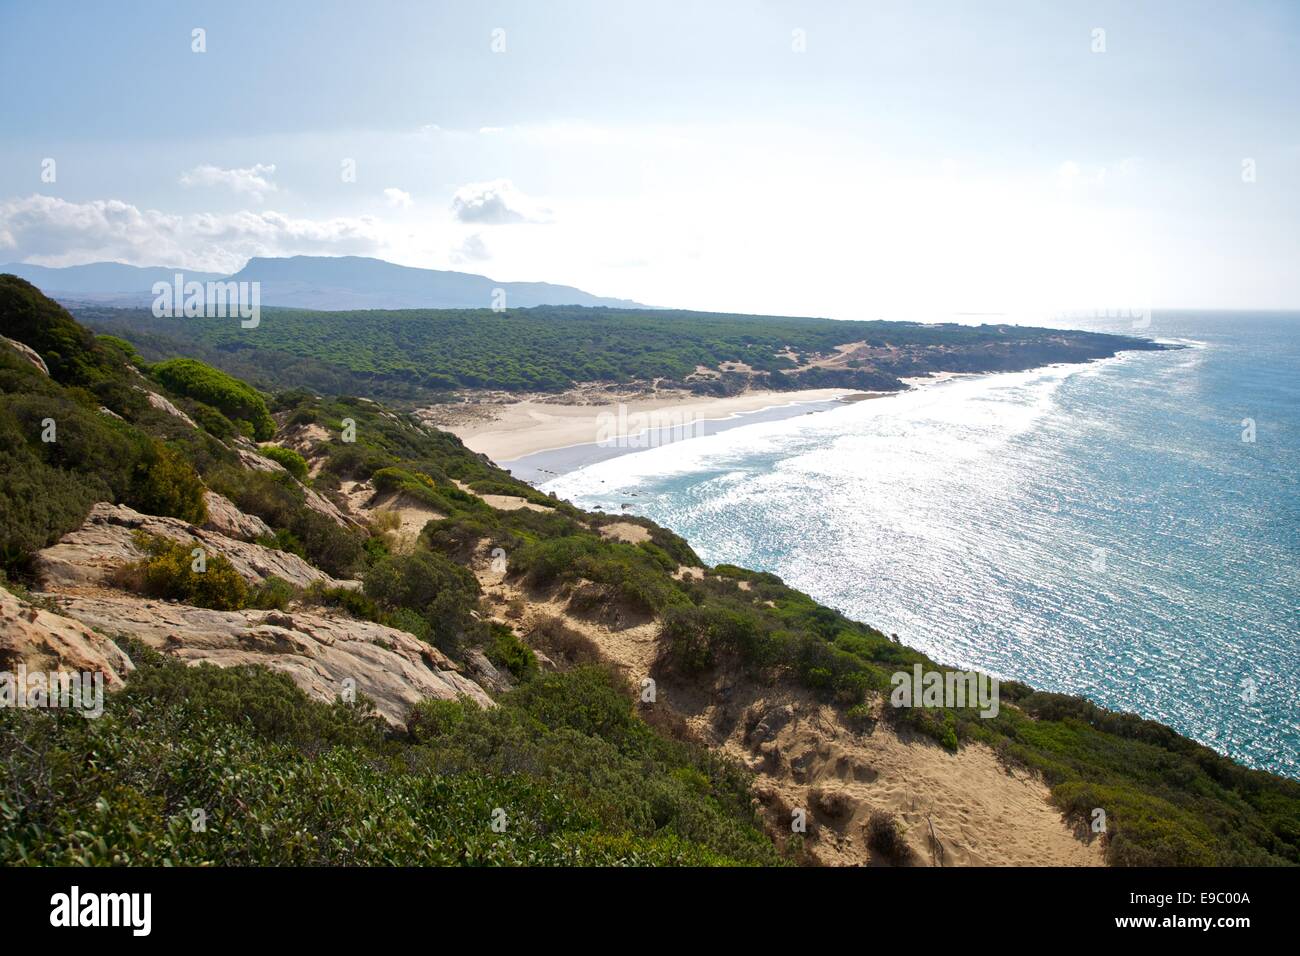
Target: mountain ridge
327,283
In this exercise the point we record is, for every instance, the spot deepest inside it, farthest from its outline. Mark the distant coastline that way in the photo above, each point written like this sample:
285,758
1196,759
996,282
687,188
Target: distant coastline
538,440
540,437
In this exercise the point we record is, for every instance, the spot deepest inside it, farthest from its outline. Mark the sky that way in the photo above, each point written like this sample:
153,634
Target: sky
852,160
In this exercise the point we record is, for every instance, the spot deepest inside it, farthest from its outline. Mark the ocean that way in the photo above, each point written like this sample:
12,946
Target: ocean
1127,530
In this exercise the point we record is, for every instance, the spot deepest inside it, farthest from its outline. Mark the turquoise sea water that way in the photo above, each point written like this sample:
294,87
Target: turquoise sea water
1100,529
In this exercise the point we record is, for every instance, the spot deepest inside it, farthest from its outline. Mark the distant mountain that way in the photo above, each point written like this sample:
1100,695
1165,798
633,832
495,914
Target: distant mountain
313,282
108,282
355,282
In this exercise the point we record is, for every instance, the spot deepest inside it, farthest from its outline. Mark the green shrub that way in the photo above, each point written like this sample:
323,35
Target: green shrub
444,594
169,572
488,486
166,484
41,504
458,537
506,650
293,462
632,574
272,594
288,781
279,501
560,641
71,352
234,399
348,599
212,421
694,636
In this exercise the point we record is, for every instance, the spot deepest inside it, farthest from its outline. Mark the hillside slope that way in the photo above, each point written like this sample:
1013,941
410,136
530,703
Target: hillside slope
422,660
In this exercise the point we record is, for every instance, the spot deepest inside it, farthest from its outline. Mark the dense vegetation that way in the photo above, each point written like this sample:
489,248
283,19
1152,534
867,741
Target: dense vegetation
236,401
199,765
421,353
582,778
86,435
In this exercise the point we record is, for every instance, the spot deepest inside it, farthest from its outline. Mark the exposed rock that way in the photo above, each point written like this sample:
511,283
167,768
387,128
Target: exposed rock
318,651
163,404
545,663
322,505
314,500
486,673
27,352
225,518
256,462
104,543
44,641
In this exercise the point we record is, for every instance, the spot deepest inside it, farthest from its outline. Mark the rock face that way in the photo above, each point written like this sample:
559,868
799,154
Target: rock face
486,673
225,518
251,460
44,641
27,352
104,543
322,505
163,404
254,461
319,652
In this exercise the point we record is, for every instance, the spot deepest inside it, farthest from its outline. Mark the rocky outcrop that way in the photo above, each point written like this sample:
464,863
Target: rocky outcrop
253,461
225,518
322,505
44,641
163,404
486,673
27,352
324,655
313,499
105,542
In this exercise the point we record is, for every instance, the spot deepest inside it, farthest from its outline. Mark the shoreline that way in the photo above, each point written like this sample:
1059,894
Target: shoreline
546,464
507,432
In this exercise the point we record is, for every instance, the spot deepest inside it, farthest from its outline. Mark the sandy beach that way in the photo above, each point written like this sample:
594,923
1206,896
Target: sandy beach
509,430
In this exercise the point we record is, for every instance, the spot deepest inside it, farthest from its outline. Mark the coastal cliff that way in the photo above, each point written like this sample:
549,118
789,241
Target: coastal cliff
392,651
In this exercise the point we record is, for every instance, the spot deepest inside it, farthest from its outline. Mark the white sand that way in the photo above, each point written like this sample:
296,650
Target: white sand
527,427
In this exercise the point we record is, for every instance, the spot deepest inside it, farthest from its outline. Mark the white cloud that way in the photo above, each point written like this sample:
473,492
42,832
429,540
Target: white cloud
496,203
397,198
51,231
472,249
252,181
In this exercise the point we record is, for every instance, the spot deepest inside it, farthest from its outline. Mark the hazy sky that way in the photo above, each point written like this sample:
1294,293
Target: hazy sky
870,159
